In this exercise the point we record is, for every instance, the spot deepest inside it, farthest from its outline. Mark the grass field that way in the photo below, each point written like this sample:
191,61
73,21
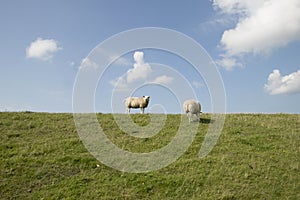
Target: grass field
256,157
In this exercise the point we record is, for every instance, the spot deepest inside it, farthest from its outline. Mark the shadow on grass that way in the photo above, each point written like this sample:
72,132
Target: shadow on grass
206,120
203,121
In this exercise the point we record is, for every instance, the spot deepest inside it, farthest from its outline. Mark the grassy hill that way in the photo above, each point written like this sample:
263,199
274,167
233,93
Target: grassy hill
256,157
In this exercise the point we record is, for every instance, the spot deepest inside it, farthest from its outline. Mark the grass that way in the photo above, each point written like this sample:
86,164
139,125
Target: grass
256,157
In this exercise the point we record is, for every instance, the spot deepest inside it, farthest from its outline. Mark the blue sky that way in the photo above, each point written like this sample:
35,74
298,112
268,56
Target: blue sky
254,44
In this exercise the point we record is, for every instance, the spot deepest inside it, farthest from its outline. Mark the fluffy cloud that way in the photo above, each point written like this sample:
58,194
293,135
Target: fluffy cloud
140,69
241,7
262,26
42,49
278,84
141,72
163,79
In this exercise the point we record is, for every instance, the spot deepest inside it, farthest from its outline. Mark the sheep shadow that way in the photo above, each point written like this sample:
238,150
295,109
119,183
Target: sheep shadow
203,121
206,121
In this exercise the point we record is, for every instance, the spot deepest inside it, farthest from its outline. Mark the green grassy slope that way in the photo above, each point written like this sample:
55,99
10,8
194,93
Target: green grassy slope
256,157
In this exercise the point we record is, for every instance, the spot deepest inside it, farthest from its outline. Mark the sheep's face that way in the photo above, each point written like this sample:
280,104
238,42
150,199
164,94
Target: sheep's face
147,98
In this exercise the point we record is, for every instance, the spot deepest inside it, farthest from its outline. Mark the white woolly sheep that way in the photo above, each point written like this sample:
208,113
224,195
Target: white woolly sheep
137,102
191,107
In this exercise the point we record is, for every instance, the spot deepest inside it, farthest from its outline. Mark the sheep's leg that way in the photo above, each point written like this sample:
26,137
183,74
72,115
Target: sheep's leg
142,110
198,117
128,110
189,115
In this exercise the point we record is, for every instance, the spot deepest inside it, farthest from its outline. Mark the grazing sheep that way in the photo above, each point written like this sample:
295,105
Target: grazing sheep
136,102
191,107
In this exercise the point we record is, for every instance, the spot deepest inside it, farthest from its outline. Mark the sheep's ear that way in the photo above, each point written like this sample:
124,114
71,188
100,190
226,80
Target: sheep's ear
143,96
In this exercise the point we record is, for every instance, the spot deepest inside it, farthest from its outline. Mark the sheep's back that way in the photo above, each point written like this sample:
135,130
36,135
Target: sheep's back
135,102
192,106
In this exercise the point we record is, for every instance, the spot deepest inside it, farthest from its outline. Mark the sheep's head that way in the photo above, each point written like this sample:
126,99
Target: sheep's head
146,98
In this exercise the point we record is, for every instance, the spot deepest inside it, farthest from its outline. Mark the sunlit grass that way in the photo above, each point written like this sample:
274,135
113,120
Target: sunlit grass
257,157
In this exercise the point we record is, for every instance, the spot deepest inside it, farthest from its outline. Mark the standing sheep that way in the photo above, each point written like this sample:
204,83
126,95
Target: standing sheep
191,107
136,102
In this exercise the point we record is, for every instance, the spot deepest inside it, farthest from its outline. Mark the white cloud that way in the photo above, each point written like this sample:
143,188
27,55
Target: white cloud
42,49
262,25
217,23
163,79
228,63
88,64
140,69
278,84
241,7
